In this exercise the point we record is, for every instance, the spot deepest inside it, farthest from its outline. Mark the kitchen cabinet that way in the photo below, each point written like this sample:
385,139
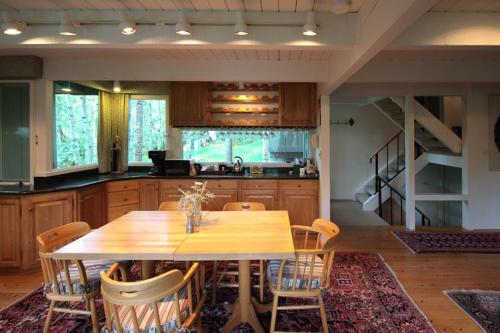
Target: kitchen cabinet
188,103
149,195
298,104
10,232
263,191
40,213
300,198
122,197
92,205
169,189
221,198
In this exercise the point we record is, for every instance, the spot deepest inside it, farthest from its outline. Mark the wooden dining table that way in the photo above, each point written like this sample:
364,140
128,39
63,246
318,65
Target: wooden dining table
160,235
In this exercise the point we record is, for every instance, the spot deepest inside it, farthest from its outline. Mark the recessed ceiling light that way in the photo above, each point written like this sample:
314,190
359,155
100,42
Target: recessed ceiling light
240,28
310,28
67,27
127,26
11,26
116,86
341,6
183,27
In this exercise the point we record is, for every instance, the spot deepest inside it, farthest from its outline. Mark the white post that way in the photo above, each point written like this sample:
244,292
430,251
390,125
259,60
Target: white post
465,114
324,158
410,161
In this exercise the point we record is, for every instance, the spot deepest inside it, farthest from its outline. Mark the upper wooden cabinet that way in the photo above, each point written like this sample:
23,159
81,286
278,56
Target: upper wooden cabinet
298,104
188,103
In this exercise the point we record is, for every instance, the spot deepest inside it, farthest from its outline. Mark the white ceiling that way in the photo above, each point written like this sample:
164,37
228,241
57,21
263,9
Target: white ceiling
225,5
467,6
176,54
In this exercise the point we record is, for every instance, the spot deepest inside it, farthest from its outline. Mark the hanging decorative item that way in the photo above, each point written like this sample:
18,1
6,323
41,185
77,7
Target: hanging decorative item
349,122
116,165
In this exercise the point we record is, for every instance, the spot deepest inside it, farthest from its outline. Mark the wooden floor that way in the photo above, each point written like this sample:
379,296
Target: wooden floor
424,276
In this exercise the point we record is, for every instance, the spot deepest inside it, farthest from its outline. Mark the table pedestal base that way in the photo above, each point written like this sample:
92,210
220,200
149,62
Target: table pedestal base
244,310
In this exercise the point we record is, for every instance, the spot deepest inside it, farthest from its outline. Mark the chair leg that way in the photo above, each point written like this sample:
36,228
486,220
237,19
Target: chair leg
274,313
261,280
214,284
93,315
323,314
49,317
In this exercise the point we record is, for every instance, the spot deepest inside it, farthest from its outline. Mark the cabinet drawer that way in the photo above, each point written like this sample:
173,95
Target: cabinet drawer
299,184
177,183
123,198
259,184
116,212
222,184
123,185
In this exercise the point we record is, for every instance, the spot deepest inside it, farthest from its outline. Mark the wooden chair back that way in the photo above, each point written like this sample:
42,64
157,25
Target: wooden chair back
56,272
244,206
150,292
314,250
169,206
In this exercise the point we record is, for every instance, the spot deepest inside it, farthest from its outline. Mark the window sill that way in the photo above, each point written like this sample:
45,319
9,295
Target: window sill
61,171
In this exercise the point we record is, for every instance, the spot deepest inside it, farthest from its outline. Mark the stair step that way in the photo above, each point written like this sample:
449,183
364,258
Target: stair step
370,189
362,197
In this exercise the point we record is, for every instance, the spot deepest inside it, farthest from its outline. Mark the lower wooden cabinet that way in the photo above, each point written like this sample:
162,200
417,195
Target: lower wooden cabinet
302,206
40,213
122,197
148,195
169,194
10,232
92,205
221,198
270,198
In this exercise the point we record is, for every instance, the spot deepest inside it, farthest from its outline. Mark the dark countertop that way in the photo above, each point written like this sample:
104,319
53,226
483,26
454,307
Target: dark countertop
75,183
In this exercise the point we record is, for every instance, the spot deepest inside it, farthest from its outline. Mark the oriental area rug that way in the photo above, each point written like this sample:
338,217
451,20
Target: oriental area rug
365,296
481,305
478,242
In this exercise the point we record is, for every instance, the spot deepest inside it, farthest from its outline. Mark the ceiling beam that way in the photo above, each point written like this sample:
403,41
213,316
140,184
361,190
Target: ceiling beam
156,29
379,22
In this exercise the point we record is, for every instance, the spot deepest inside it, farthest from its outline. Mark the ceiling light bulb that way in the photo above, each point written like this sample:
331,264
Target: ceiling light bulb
341,6
116,86
127,26
183,27
11,26
310,28
240,27
67,27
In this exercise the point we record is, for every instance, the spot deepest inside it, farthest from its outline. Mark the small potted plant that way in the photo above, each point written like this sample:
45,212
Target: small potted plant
191,202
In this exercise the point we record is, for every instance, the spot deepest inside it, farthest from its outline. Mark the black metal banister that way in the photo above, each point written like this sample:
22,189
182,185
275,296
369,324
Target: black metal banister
386,144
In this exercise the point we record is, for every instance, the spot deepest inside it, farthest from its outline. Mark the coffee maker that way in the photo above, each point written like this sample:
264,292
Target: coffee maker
158,159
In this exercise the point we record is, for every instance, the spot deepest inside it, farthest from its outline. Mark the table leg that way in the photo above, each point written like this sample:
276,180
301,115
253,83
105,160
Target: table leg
244,311
147,269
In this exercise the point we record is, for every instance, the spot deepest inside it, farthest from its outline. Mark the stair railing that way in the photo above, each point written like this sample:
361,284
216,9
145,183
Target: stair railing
385,149
425,220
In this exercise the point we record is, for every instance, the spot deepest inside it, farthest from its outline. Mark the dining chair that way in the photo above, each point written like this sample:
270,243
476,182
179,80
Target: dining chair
70,281
231,267
168,302
169,206
306,275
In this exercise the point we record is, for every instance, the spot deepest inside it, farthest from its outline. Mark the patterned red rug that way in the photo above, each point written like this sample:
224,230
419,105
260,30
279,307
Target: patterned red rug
481,305
365,297
420,242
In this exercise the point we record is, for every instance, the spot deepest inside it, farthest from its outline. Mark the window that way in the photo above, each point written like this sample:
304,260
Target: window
147,126
75,125
276,146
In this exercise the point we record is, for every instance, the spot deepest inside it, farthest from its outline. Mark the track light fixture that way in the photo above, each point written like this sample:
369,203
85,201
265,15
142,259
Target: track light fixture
116,86
67,27
341,6
183,27
67,88
127,26
240,28
310,28
10,25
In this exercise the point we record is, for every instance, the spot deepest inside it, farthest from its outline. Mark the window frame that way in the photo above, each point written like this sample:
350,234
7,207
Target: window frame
154,97
54,170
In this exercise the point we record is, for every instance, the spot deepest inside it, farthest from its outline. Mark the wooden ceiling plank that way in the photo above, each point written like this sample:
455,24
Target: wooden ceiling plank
287,5
134,4
230,54
284,55
253,5
167,4
149,4
218,5
240,54
201,4
274,54
295,55
235,5
20,5
184,4
322,5
305,5
262,54
269,5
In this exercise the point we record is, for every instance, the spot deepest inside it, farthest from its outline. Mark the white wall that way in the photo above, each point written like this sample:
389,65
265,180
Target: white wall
483,207
351,147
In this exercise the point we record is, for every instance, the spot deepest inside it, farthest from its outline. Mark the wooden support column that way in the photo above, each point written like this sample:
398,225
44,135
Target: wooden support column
323,157
410,161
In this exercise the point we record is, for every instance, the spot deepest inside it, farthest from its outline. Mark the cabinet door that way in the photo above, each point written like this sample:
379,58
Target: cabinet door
267,197
169,194
10,233
221,198
298,104
302,206
92,206
188,103
149,195
40,213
